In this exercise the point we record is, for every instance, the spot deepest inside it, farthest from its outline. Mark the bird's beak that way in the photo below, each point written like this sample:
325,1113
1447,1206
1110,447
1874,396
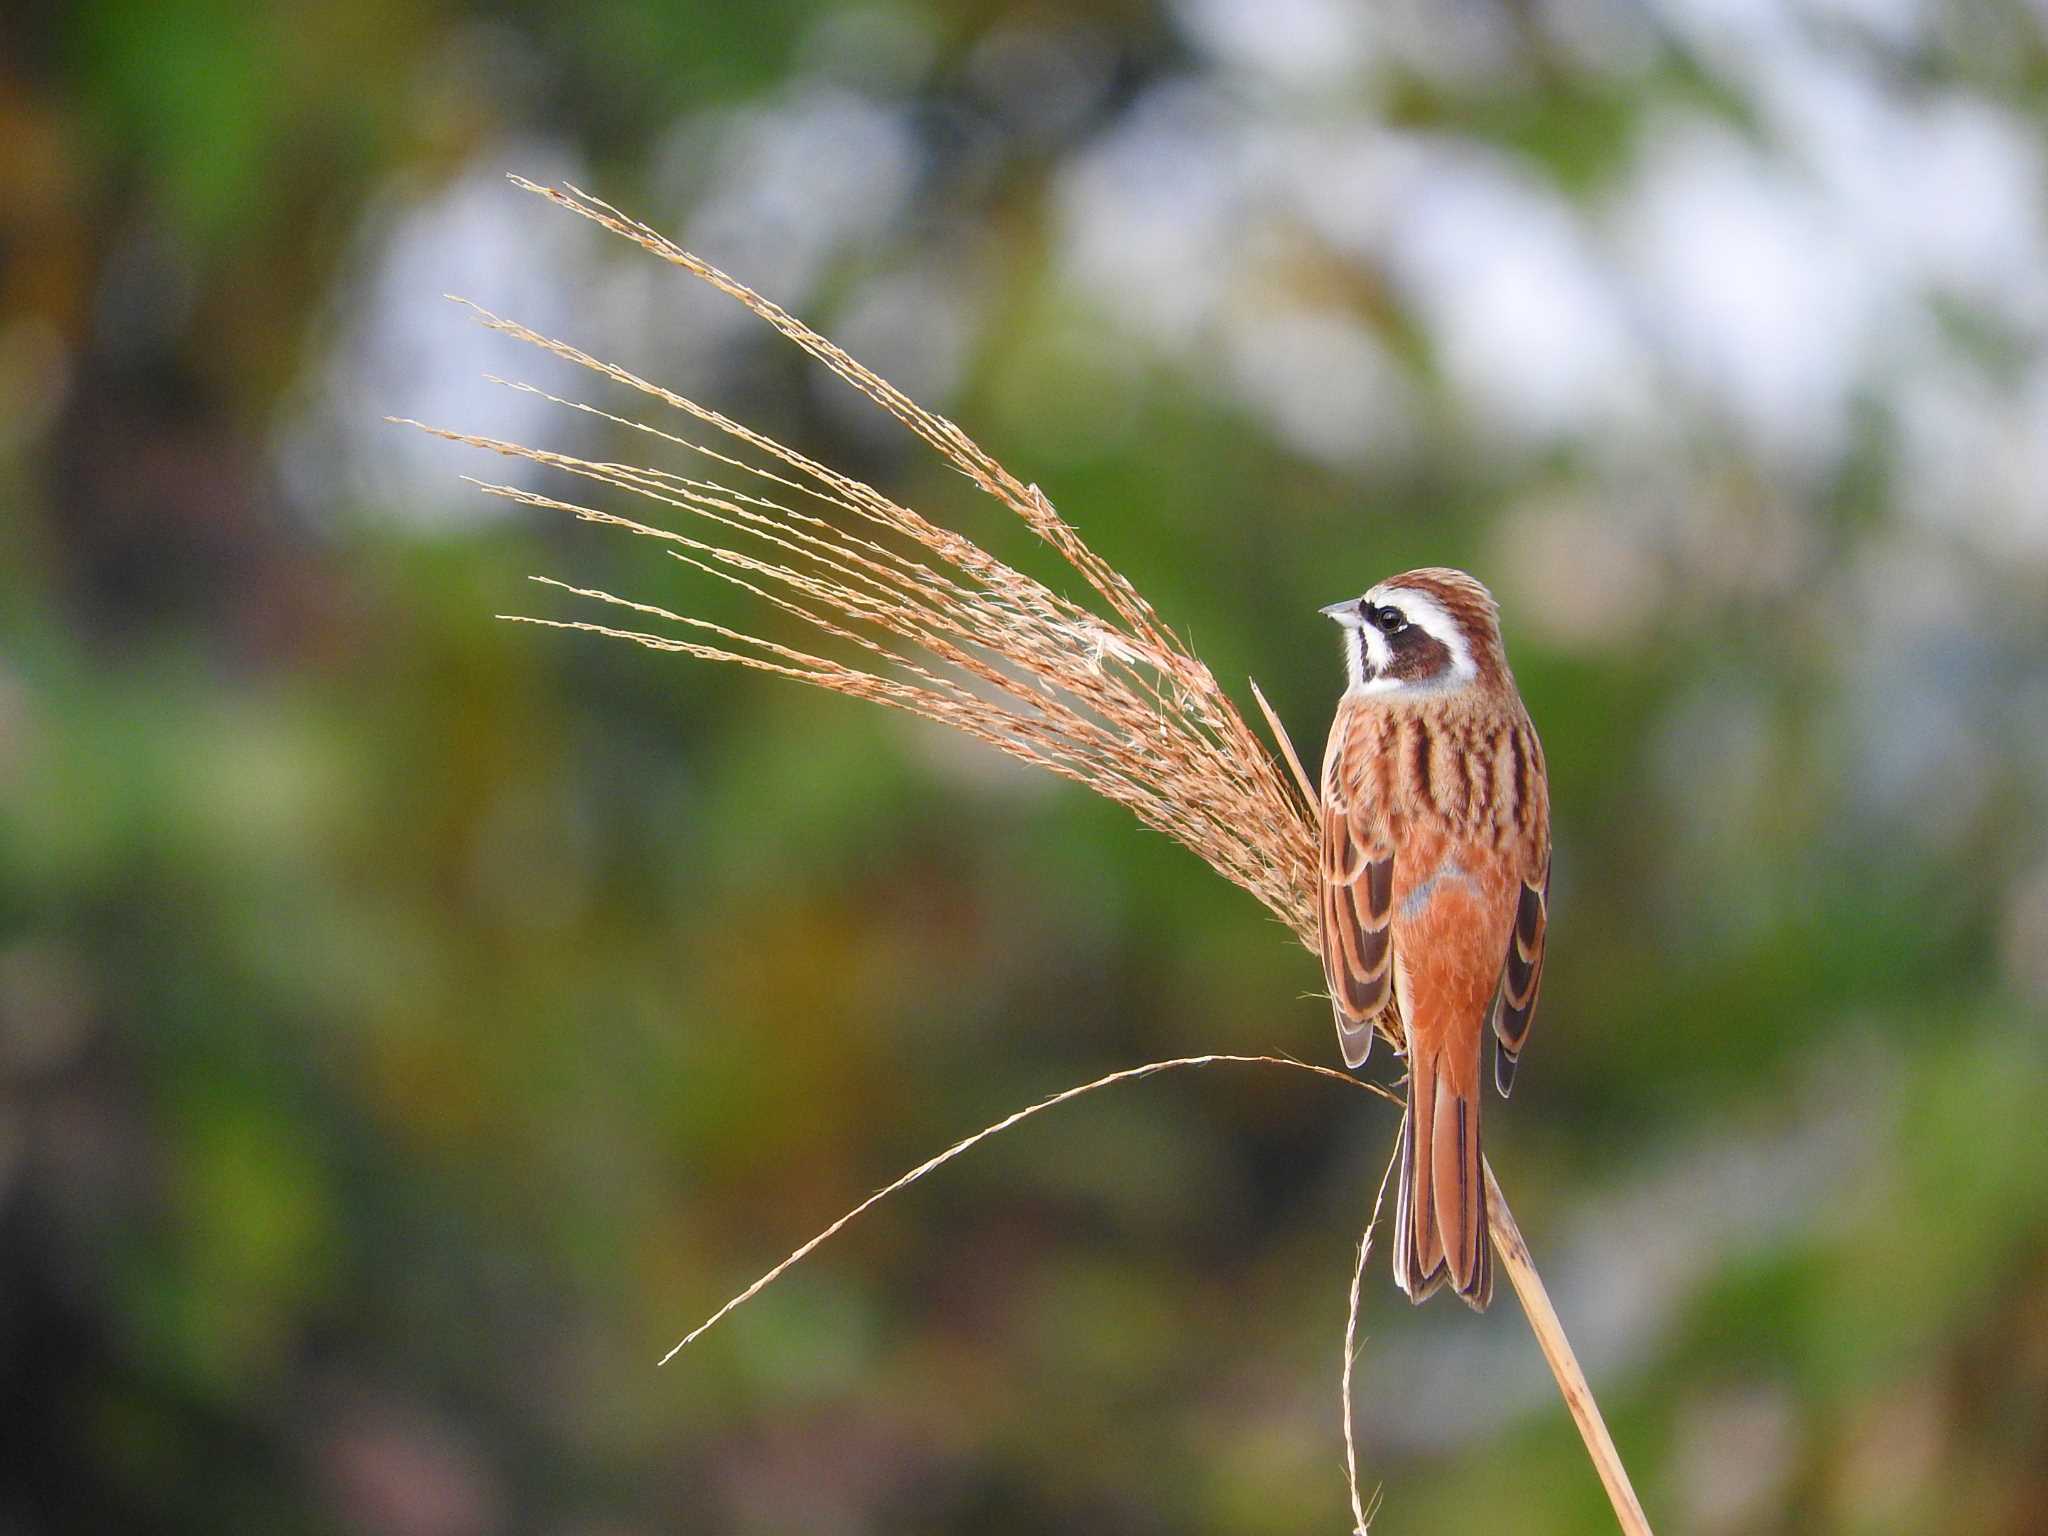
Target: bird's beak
1345,613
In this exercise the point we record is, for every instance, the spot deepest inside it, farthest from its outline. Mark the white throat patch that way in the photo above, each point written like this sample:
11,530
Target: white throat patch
1365,645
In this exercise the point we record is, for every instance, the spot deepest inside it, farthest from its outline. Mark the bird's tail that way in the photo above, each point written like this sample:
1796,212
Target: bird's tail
1440,1209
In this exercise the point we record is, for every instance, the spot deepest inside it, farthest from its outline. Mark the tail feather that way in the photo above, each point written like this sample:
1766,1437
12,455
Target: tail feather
1354,1040
1440,1230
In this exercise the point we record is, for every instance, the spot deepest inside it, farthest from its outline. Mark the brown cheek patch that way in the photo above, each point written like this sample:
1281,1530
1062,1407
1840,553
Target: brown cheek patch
1417,655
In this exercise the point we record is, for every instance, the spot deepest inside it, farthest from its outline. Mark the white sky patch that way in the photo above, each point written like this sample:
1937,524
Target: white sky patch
913,326
1760,299
1150,216
404,350
1612,37
1349,181
1941,193
1731,34
1986,236
797,182
1298,43
1771,282
1894,23
1322,381
1973,458
1461,43
1514,295
1175,217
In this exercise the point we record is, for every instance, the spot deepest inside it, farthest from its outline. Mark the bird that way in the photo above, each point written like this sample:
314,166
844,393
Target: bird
1434,881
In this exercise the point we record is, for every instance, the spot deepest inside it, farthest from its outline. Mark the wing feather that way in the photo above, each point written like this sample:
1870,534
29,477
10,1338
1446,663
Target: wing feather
1521,974
1357,914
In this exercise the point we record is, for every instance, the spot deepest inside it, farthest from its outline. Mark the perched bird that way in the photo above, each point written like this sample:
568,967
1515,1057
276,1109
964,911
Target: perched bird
1435,878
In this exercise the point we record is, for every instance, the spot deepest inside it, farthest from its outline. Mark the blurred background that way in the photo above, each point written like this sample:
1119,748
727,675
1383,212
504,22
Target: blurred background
411,1024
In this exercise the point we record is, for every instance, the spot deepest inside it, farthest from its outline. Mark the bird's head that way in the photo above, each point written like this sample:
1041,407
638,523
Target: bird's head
1424,632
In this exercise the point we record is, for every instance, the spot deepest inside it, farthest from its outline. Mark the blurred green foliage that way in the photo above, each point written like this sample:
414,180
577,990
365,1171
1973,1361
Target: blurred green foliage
411,1024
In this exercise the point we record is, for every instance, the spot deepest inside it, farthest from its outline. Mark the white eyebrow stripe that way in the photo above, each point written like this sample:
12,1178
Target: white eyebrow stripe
1429,615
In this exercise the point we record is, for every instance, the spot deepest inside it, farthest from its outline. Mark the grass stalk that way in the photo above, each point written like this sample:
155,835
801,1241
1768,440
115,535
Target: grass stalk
1513,1252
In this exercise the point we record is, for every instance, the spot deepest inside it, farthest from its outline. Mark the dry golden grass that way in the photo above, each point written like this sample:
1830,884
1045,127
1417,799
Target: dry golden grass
940,627
1108,696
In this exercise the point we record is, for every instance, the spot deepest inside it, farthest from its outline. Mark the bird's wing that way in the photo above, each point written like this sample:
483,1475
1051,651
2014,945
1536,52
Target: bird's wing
1357,908
1521,972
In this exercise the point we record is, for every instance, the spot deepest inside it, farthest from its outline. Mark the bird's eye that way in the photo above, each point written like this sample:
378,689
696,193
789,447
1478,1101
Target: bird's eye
1389,621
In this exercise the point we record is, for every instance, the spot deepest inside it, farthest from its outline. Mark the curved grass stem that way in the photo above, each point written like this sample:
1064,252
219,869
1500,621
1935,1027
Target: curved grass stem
1507,1240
